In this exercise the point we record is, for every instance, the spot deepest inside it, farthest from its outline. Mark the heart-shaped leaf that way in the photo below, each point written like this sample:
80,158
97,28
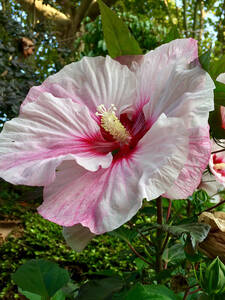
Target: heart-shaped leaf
41,277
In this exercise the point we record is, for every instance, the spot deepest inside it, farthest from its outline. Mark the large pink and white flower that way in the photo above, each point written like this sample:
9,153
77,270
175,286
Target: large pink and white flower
217,159
101,135
221,78
214,181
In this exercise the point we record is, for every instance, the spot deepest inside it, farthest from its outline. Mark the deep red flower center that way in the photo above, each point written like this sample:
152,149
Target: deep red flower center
135,128
219,164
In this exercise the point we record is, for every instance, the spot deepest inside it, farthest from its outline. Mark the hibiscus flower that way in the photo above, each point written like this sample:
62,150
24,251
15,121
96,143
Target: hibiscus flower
221,78
101,135
213,181
217,159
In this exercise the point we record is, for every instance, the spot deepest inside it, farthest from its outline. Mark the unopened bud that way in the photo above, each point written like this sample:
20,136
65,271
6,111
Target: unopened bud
212,280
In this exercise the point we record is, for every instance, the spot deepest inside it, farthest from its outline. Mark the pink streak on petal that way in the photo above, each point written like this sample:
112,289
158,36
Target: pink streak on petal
47,132
175,89
158,65
52,88
166,152
91,81
101,201
198,158
106,199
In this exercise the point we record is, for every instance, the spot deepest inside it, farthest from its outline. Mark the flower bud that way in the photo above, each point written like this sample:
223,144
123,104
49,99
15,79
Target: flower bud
212,280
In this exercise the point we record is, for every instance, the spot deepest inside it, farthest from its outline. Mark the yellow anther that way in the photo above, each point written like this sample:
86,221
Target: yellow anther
220,166
112,124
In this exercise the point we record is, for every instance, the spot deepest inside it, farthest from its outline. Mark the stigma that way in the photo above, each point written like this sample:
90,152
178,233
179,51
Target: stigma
112,124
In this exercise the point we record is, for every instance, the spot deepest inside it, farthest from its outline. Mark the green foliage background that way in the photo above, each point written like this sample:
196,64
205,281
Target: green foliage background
151,23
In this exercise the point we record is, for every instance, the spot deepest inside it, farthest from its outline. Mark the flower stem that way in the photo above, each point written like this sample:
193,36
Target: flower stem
218,151
138,254
159,264
165,242
185,17
169,210
188,207
212,207
141,234
186,294
195,291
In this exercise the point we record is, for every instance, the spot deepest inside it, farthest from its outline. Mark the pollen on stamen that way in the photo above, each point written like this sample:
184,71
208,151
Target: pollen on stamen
219,166
112,124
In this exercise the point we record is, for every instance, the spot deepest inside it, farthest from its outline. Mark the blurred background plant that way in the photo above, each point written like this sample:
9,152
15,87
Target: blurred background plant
60,32
37,38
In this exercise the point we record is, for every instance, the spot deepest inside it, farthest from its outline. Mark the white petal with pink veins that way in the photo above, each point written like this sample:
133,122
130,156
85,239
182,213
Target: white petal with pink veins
164,149
168,83
106,199
77,236
198,158
91,81
101,201
185,50
49,131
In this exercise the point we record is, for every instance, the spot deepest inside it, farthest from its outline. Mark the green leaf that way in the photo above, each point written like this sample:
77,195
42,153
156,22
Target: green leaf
149,211
174,253
100,289
140,264
70,290
104,273
118,38
217,67
197,231
212,279
172,35
200,196
59,295
40,277
205,60
204,296
190,250
218,297
124,233
29,295
146,292
219,93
